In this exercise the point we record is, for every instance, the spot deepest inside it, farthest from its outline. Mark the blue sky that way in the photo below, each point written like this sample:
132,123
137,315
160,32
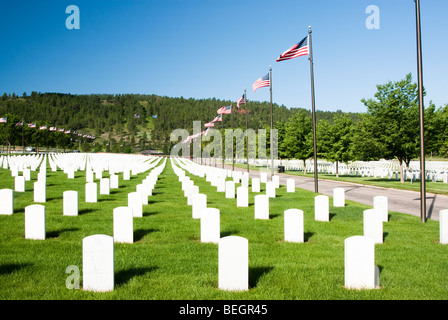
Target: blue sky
216,48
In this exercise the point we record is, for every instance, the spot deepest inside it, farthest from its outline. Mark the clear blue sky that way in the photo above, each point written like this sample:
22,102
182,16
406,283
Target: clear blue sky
218,48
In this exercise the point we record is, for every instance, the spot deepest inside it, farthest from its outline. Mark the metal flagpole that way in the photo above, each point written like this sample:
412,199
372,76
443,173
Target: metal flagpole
222,141
233,156
271,136
310,57
247,134
421,106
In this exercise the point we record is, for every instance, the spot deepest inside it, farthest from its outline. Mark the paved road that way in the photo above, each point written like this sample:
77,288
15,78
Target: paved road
398,200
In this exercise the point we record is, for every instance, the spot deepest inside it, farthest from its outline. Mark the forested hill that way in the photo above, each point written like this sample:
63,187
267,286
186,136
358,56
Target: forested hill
133,122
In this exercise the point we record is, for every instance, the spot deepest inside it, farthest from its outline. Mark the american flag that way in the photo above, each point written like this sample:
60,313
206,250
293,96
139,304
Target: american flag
209,124
43,127
241,100
218,118
3,120
136,115
297,50
31,125
20,123
52,128
262,82
225,110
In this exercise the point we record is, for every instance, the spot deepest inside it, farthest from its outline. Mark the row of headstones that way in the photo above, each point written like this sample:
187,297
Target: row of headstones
35,217
372,218
360,271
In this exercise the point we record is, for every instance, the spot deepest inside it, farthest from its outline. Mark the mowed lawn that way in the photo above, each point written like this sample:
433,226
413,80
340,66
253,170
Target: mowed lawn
167,261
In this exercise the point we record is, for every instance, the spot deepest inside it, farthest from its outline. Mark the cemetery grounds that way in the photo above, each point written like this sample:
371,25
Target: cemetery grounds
167,260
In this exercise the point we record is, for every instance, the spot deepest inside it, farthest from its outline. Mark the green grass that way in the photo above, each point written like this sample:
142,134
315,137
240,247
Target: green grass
167,261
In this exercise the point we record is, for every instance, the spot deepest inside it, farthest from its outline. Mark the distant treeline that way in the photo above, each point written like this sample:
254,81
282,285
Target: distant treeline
126,122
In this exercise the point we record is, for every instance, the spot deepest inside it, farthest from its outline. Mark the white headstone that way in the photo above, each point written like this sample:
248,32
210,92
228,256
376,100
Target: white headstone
39,192
233,263
89,175
261,206
91,192
276,181
135,202
359,263
338,197
242,196
194,190
443,226
98,263
104,186
255,184
198,205
114,181
142,189
230,189
19,184
126,174
70,203
270,189
290,185
373,225
321,208
210,225
123,225
380,203
6,201
35,222
293,224
221,184
27,174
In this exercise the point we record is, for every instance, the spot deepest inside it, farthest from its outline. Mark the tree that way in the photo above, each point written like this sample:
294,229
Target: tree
298,140
392,121
335,140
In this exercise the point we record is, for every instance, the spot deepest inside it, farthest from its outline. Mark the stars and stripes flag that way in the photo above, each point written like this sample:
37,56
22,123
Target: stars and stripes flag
241,100
61,130
262,82
52,129
20,123
297,50
218,118
31,125
209,124
225,110
3,120
67,131
43,127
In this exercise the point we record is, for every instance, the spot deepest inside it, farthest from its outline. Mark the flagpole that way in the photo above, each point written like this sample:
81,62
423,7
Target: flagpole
222,142
316,188
233,156
422,112
271,136
247,135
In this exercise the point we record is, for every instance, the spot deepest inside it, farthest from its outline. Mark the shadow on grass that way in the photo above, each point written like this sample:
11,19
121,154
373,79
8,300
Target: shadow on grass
56,234
139,234
13,267
122,277
255,273
84,211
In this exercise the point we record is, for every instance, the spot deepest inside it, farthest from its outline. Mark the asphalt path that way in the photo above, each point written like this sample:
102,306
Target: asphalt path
402,201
